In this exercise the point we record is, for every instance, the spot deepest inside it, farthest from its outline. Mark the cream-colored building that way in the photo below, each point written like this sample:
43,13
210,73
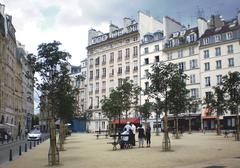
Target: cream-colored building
219,54
112,57
206,53
9,113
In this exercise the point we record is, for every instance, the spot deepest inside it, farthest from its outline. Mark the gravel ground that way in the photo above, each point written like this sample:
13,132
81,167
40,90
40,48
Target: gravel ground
84,151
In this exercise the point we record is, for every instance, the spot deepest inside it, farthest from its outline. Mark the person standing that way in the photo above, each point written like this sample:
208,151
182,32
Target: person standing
148,135
127,127
134,133
141,136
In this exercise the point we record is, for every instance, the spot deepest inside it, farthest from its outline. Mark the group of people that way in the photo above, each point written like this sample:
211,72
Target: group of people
128,135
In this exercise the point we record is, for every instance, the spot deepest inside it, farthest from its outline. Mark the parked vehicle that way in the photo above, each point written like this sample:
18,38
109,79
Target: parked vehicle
34,135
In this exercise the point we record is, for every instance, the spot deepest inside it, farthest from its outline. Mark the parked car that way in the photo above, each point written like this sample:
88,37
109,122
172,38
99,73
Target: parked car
34,135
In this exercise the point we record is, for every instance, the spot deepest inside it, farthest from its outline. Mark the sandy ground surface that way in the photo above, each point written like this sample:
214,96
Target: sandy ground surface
84,151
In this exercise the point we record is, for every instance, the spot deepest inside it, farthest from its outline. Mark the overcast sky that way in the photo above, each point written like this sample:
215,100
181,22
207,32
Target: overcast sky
68,21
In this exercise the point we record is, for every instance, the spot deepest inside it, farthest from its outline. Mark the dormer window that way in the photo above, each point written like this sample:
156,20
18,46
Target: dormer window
192,37
229,35
170,43
175,34
206,41
217,38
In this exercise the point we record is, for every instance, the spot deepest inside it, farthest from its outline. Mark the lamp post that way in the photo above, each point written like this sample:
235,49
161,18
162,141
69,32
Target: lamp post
99,129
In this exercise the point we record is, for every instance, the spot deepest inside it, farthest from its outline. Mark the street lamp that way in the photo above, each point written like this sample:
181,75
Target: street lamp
99,129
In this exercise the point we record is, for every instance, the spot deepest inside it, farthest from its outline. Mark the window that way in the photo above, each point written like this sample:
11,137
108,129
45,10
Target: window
135,65
91,75
192,79
217,38
91,88
119,70
208,95
97,61
231,62
120,55
97,73
104,59
146,61
230,49
145,73
206,54
127,53
91,63
192,37
104,85
146,85
194,93
205,41
127,68
111,72
218,64
219,79
156,47
157,58
180,53
229,35
135,79
97,87
191,50
169,56
146,50
112,57
91,102
218,51
97,102
182,66
207,81
135,51
193,64
207,66
104,72
120,81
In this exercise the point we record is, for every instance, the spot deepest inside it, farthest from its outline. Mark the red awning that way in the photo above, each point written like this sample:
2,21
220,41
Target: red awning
124,121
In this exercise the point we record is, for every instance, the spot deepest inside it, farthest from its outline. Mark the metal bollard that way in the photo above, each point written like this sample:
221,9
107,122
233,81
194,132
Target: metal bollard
25,147
30,147
34,144
20,150
37,142
10,155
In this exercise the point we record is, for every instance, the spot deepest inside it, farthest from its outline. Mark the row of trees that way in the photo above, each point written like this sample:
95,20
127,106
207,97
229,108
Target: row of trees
226,97
168,90
51,65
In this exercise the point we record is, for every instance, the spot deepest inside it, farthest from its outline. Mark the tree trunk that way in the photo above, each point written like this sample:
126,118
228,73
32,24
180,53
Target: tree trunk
53,155
177,132
237,126
166,140
157,129
61,135
126,115
218,125
189,125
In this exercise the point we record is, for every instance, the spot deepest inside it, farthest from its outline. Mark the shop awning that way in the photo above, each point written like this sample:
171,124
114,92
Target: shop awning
209,117
124,121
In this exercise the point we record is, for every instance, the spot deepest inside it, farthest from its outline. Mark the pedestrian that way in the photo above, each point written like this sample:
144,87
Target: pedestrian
148,135
127,126
141,136
134,133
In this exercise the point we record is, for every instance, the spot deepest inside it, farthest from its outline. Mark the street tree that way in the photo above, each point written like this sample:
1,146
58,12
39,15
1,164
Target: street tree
47,64
231,84
145,110
217,105
177,97
160,79
192,107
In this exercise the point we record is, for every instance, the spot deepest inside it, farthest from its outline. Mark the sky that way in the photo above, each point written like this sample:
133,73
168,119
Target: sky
68,21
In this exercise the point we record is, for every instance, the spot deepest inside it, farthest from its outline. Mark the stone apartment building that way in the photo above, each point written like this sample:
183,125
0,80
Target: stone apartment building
12,80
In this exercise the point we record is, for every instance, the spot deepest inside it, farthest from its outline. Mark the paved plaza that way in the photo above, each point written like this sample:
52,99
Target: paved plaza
84,151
